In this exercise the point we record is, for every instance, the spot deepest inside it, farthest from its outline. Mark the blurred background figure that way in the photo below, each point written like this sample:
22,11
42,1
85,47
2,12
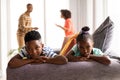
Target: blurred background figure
68,25
24,25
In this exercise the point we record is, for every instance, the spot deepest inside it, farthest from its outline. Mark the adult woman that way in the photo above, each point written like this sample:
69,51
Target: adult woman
68,26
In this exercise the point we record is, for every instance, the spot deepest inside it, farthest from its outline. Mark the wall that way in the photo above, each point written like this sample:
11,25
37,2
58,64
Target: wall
88,13
82,11
0,34
3,36
0,38
79,11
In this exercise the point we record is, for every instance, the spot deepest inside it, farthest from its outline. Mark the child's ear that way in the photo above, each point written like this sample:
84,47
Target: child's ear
42,45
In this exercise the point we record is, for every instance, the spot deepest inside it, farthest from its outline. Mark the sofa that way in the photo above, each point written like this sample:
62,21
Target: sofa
86,70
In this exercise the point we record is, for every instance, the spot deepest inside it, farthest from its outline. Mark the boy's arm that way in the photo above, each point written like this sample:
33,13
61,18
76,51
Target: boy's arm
101,59
58,59
17,61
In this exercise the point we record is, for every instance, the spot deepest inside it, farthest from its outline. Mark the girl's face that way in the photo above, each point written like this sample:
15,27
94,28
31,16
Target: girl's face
34,47
85,47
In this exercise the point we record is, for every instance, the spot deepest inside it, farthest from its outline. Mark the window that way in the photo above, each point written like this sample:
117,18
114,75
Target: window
114,13
45,14
16,9
54,35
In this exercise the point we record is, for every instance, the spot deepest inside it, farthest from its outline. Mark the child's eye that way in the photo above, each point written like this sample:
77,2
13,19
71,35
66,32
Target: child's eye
38,47
88,46
29,49
81,48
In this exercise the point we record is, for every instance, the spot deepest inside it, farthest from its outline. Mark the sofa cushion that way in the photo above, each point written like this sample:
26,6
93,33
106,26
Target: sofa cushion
103,35
85,70
68,45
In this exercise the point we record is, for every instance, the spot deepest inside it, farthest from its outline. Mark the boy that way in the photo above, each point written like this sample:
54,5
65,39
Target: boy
35,52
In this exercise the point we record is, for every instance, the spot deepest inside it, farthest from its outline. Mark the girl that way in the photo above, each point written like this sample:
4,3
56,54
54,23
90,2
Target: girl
83,50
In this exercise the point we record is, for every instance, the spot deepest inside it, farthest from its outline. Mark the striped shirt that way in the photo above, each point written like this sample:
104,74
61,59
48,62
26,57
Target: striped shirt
47,51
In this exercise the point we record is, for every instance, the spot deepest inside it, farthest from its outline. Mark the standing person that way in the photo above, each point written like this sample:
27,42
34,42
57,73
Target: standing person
34,51
24,25
68,26
84,50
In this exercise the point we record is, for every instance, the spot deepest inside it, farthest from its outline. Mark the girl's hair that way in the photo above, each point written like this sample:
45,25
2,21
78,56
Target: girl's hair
66,13
32,35
84,34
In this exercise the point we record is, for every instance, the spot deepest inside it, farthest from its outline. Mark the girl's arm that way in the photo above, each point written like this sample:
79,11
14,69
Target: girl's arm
72,58
101,59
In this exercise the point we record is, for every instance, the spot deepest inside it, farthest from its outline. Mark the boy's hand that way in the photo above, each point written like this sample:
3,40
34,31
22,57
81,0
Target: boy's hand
37,61
44,59
40,59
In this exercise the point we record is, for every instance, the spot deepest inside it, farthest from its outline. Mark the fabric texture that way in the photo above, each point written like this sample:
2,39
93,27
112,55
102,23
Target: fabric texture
96,51
103,35
85,70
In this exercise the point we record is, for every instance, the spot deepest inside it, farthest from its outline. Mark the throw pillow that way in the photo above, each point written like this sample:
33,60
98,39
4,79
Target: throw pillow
103,35
69,44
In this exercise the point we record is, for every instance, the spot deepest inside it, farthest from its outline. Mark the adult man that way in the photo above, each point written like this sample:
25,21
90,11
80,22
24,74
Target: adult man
24,25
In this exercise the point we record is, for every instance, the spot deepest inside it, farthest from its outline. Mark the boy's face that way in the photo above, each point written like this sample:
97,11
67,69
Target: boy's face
85,47
34,47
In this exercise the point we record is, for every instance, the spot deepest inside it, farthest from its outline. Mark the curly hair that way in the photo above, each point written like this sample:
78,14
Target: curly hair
84,34
66,13
32,35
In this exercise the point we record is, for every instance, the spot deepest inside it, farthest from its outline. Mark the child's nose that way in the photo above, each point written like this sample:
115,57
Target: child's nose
85,50
34,51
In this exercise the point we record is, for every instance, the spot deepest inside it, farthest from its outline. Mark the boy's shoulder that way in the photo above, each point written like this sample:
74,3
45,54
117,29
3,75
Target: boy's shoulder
47,49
